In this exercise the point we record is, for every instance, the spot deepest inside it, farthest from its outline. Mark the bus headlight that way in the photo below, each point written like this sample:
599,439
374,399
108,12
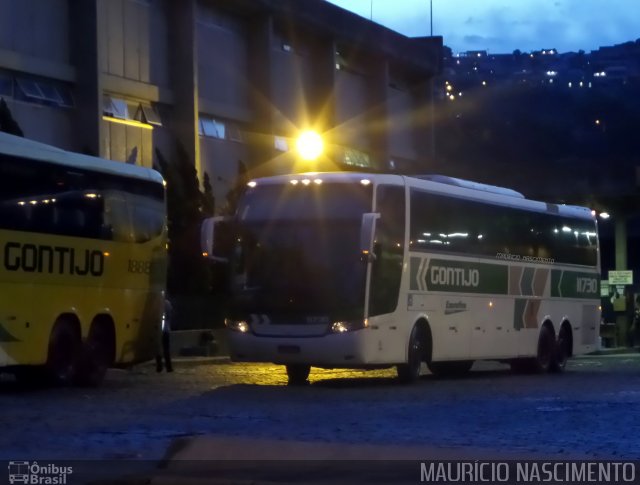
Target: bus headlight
237,325
348,326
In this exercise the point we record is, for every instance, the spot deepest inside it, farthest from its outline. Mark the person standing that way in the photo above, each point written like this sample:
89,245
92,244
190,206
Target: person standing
165,351
630,315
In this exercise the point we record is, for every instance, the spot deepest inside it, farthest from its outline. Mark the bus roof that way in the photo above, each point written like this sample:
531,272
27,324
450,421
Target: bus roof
21,147
444,185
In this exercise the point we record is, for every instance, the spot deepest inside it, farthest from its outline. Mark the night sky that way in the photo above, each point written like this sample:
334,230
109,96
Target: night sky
501,26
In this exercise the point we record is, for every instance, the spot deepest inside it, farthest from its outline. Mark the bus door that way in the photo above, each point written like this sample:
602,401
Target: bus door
386,272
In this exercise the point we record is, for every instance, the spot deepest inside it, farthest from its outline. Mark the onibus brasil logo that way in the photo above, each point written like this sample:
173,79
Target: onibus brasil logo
36,474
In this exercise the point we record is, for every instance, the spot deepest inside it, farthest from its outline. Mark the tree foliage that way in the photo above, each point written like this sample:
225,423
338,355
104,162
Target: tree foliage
185,211
7,123
237,190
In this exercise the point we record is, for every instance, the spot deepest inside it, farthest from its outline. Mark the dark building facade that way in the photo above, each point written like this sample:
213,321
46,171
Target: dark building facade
229,80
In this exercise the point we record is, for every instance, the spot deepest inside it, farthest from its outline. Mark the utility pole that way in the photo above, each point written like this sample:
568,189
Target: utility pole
432,97
430,15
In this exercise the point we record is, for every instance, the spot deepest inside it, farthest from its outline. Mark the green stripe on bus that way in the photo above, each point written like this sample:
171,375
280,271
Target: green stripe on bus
459,276
574,284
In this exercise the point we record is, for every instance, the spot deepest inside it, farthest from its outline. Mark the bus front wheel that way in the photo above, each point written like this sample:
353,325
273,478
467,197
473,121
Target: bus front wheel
63,353
410,372
298,374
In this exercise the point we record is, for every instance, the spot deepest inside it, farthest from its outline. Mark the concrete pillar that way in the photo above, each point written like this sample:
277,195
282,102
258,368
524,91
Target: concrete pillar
378,118
86,57
261,146
620,305
183,54
321,99
621,243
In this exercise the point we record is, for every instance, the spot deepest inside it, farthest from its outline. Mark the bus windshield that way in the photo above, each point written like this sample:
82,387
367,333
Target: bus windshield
297,250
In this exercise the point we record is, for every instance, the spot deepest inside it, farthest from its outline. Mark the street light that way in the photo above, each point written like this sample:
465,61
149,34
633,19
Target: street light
309,145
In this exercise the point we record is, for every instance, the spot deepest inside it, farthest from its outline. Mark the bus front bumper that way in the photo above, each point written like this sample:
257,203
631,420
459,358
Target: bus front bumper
332,350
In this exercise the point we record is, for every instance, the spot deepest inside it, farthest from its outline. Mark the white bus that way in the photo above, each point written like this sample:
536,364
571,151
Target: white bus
357,270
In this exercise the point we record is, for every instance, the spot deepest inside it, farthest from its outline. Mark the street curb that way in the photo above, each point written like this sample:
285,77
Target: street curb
193,361
225,359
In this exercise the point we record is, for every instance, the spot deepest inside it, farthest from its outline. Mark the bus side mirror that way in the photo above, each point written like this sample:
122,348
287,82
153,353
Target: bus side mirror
216,238
367,235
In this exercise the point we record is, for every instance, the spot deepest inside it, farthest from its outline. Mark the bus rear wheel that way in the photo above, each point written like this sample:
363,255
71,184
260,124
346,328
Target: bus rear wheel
546,358
562,350
95,356
63,353
298,374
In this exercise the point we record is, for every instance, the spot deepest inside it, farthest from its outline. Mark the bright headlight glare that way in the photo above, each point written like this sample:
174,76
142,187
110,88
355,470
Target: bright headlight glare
339,327
348,326
237,325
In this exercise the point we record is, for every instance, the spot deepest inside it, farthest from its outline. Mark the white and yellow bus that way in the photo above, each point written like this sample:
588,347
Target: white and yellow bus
366,271
83,260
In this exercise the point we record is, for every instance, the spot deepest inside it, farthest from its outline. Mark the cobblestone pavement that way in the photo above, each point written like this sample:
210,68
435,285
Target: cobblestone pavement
589,411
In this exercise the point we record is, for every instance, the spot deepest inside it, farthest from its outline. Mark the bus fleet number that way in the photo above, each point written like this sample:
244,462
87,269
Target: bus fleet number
139,266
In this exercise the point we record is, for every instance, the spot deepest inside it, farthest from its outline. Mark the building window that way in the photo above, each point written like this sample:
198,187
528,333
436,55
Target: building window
356,158
234,133
30,89
133,112
6,85
222,130
50,93
281,144
212,128
39,91
116,108
146,114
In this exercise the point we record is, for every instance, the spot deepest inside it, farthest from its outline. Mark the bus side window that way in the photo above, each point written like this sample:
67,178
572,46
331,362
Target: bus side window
147,218
116,219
